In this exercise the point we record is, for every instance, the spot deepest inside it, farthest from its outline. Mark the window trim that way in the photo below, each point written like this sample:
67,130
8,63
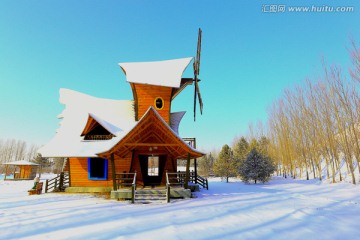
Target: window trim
105,170
163,103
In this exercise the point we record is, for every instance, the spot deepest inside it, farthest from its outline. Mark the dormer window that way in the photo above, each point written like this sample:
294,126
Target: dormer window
98,129
98,133
159,103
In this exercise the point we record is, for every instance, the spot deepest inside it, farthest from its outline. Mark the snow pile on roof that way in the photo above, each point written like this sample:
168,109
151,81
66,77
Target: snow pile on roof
115,115
160,73
21,163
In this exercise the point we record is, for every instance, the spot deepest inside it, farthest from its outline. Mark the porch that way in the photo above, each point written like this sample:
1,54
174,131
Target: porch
175,187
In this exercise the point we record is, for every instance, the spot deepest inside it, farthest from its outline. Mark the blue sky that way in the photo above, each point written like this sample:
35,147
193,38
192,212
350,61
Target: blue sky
248,56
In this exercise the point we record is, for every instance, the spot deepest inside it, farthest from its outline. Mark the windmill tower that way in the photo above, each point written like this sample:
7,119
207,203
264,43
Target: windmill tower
156,83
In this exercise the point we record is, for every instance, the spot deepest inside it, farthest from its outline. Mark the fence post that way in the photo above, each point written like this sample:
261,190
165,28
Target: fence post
46,185
132,194
55,184
61,182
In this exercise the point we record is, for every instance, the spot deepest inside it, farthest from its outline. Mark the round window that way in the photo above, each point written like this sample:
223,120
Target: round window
159,103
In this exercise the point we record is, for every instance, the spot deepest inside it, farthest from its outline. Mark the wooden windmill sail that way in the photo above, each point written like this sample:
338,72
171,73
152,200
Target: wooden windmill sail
196,79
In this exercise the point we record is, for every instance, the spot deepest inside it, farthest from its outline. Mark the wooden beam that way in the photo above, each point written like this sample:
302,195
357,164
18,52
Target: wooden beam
187,173
113,171
151,144
132,160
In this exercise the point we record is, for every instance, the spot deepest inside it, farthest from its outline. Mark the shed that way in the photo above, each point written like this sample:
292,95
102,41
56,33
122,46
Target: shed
21,170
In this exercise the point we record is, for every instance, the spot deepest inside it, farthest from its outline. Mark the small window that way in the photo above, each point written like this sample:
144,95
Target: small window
159,103
153,166
97,168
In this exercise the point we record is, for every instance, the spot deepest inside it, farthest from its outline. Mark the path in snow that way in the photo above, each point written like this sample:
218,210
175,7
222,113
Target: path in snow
281,209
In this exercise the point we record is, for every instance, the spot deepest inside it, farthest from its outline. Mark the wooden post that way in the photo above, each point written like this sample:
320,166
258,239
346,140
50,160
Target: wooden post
113,171
61,182
6,169
55,185
132,194
168,193
14,171
187,173
195,172
46,185
132,160
195,164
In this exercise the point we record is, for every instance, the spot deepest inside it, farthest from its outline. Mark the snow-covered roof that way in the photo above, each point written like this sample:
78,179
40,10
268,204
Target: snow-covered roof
21,163
160,73
117,116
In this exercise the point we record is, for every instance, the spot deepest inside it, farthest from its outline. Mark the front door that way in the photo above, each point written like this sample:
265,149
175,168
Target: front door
152,168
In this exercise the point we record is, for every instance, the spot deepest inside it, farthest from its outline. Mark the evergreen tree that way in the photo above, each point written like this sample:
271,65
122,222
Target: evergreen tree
43,162
257,167
206,164
225,165
241,150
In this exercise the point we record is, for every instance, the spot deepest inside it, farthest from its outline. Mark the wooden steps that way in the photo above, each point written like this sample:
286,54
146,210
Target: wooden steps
146,196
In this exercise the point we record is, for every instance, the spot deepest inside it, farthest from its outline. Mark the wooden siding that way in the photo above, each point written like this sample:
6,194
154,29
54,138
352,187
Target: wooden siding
25,172
145,97
79,172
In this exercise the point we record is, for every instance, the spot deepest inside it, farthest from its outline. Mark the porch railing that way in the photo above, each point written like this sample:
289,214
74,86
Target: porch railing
124,179
127,180
194,179
176,179
58,183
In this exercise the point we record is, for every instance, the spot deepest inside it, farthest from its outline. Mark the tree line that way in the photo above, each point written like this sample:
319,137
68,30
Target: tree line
249,160
15,150
312,129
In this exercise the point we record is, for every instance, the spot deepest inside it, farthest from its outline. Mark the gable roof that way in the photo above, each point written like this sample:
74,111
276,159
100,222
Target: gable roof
93,120
152,126
160,73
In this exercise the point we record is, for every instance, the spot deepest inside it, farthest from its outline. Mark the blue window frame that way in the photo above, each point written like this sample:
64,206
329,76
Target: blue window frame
97,168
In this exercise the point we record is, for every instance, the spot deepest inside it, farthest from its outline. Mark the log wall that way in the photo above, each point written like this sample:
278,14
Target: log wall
145,96
79,172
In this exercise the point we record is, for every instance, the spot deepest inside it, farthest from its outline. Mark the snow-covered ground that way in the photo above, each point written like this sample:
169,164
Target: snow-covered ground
281,209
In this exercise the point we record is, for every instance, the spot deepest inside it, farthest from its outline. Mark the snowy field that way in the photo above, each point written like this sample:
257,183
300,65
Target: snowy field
281,209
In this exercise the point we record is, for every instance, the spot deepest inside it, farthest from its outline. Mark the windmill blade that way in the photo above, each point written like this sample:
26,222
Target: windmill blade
195,94
198,54
199,96
196,66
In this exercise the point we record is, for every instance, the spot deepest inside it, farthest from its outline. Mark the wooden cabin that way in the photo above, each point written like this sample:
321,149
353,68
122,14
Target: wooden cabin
20,170
102,138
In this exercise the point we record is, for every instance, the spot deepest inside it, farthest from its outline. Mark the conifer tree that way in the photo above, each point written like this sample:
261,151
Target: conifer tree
225,165
241,149
206,164
257,167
